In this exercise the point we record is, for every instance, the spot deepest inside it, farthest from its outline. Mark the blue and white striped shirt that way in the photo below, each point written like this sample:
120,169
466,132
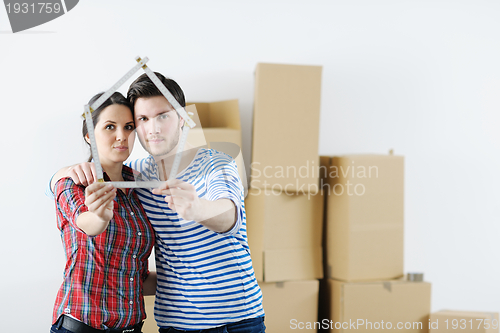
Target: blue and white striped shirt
205,278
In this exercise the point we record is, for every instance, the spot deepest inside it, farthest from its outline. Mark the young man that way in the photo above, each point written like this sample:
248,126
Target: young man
205,277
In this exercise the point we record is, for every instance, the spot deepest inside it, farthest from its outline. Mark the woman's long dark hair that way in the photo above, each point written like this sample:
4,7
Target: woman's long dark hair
116,98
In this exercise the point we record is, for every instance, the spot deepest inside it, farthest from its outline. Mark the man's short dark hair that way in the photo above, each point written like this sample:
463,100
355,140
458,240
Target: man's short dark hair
144,87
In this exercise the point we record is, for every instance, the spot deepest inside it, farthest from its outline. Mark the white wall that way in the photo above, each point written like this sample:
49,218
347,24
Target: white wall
421,77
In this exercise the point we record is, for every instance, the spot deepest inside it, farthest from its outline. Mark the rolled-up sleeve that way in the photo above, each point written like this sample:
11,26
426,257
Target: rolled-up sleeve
70,202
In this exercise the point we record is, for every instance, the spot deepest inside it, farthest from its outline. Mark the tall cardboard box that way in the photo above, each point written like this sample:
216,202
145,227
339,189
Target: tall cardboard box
364,217
463,321
284,234
218,126
290,306
286,127
379,305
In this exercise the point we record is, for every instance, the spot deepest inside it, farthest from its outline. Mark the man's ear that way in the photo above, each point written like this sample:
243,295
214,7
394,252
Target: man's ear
87,138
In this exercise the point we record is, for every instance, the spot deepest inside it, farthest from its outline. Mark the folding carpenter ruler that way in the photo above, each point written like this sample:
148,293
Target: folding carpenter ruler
188,124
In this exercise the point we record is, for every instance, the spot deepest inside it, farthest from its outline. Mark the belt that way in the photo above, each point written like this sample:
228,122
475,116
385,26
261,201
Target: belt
76,326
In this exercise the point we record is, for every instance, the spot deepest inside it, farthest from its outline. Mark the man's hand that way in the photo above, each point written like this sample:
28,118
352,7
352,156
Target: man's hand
219,215
182,198
99,199
83,173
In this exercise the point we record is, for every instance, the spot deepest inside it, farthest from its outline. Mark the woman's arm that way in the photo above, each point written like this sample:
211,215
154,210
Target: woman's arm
99,200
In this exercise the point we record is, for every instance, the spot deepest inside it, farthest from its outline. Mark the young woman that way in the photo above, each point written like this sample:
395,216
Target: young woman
106,236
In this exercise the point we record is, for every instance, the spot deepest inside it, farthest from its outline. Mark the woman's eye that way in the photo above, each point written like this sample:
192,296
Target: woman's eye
164,116
110,127
129,127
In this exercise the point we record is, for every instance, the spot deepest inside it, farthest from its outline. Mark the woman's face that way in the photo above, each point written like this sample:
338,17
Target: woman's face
114,134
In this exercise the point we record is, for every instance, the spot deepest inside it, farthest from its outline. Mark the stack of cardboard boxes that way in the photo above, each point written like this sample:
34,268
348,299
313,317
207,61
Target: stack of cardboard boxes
364,248
284,205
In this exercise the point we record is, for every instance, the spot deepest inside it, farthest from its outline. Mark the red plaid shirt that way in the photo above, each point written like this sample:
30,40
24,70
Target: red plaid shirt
104,274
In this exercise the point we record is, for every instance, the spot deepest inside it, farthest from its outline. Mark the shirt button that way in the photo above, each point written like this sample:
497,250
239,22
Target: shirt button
134,256
131,279
132,213
131,302
139,233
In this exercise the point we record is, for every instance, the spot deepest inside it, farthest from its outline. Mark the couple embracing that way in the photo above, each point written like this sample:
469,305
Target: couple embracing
204,280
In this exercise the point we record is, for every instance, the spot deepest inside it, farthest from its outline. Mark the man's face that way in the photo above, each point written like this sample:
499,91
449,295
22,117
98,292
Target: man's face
157,124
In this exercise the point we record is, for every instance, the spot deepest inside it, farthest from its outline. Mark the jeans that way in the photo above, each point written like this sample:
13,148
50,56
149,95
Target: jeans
54,329
253,325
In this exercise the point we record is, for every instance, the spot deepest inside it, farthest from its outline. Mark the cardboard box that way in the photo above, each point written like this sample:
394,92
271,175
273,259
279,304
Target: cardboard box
150,325
463,321
286,127
218,126
382,305
364,217
290,306
284,235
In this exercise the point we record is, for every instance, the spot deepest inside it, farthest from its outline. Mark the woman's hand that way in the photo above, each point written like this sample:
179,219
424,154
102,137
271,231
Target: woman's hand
99,200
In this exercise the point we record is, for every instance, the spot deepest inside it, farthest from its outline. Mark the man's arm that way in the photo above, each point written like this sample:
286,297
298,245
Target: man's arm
82,174
62,173
219,215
